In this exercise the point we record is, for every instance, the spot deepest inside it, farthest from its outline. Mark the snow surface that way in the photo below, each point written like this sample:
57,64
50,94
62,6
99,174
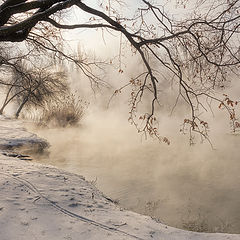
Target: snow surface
43,202
13,135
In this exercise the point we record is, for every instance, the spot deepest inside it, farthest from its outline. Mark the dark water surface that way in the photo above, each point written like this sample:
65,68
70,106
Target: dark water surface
194,188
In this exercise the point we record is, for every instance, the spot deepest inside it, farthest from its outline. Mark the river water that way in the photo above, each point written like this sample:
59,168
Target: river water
194,188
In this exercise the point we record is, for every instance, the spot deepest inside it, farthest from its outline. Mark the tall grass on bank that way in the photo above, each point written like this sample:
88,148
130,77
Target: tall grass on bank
66,110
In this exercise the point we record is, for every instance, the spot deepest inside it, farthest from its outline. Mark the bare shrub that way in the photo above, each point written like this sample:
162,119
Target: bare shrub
202,225
67,110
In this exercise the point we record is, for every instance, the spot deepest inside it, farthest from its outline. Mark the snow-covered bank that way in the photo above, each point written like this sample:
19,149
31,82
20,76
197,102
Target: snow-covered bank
43,202
14,136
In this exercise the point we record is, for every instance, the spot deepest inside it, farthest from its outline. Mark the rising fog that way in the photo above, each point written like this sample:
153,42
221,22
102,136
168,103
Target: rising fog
192,187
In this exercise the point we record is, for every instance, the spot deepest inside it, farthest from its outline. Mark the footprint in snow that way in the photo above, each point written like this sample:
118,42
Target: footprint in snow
73,205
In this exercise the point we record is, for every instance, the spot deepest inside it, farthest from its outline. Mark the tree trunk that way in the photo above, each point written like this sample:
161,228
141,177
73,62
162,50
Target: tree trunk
1,110
21,106
7,101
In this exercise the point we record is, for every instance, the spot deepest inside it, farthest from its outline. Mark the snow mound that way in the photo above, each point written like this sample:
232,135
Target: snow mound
14,136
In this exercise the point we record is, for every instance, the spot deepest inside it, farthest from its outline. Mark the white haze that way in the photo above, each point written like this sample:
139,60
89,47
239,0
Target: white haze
181,185
177,184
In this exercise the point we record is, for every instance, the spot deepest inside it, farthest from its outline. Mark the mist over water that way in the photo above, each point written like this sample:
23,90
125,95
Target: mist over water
195,188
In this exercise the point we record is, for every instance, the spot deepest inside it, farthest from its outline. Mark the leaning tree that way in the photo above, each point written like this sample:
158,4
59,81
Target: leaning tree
198,49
